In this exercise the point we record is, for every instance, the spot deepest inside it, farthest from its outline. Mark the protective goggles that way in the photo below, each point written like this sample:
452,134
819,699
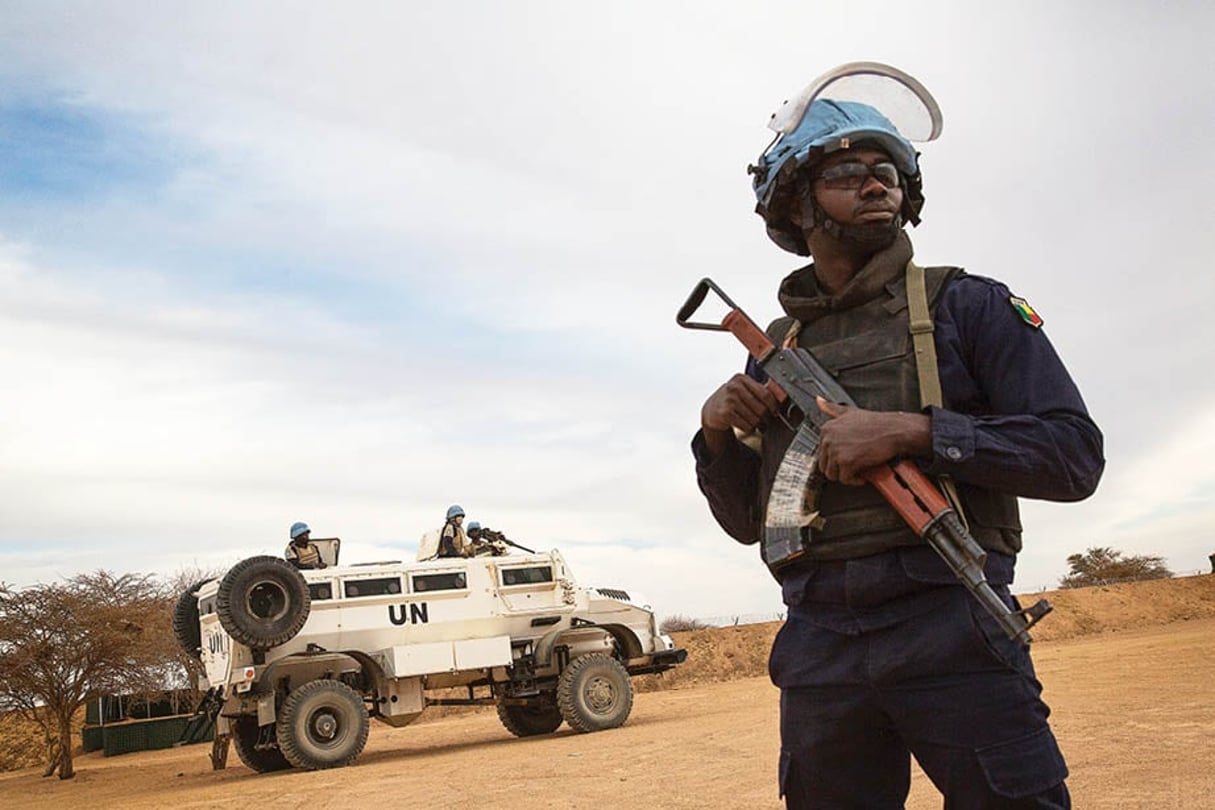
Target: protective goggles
853,175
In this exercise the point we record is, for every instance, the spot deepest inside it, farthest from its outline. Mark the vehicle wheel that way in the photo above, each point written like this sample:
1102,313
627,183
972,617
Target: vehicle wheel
528,721
594,693
322,724
245,734
185,621
262,602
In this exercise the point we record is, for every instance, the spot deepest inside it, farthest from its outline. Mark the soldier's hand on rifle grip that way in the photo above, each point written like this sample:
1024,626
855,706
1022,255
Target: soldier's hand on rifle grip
740,403
854,440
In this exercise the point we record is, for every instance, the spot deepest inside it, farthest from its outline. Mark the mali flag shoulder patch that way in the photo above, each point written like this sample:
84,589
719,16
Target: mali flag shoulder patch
1026,312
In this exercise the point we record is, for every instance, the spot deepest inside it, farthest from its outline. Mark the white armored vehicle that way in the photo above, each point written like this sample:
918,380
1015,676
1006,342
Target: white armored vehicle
297,661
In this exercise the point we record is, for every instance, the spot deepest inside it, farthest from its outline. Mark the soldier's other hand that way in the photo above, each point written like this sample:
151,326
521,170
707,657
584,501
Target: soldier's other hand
740,403
855,439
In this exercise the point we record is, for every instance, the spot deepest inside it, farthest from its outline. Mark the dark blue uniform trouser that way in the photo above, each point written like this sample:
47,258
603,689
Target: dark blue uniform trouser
927,673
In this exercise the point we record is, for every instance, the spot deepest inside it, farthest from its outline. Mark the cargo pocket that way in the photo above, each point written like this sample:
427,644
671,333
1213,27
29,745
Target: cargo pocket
1025,766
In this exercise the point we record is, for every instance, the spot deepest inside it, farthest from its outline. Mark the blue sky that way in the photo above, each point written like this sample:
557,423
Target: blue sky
349,266
59,152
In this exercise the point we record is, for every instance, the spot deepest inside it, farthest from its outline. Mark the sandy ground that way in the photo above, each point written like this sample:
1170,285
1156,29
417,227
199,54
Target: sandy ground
1134,712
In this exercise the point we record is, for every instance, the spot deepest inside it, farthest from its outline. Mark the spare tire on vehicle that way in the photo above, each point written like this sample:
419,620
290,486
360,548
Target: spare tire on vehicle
263,602
185,620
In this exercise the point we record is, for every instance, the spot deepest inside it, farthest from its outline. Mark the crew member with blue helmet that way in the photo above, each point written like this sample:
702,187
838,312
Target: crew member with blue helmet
885,654
301,551
452,540
478,544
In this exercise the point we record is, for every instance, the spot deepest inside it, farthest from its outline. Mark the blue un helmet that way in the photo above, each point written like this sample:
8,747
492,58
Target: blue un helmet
299,528
455,510
840,110
473,525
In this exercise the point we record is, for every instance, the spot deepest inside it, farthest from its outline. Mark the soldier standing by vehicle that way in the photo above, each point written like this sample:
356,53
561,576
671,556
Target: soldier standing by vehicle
885,653
301,551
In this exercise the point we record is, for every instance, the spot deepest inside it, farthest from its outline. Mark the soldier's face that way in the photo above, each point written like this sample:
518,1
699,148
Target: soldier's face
854,192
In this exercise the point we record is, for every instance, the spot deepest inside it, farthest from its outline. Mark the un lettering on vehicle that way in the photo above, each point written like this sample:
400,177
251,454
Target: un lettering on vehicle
216,650
409,613
219,644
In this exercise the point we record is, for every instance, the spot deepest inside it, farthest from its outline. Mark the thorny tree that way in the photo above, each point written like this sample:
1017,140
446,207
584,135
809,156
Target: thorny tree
63,644
1098,566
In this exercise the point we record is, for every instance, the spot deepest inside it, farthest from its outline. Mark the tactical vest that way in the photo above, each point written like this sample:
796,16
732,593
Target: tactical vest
869,350
309,556
452,541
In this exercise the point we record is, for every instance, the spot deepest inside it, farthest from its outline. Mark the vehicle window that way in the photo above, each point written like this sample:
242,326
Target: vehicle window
440,582
527,576
372,587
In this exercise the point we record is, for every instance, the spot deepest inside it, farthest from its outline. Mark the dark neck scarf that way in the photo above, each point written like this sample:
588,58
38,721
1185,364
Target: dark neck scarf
801,296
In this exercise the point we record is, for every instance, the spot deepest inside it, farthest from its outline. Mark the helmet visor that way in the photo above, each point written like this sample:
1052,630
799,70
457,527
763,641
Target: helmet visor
898,96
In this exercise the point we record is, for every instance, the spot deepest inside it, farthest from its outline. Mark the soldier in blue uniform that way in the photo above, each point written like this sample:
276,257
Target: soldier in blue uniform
885,654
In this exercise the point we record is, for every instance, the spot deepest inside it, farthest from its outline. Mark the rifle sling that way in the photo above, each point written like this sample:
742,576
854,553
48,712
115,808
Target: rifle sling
921,327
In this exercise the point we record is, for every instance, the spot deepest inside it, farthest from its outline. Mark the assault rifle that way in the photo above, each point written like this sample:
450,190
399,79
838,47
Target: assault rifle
796,378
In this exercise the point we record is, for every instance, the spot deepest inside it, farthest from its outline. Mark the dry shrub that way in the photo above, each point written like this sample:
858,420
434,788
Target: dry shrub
679,623
716,654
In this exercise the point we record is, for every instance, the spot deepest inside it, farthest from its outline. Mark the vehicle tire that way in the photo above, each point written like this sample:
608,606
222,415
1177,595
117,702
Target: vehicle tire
322,724
528,721
244,736
594,693
262,602
185,621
